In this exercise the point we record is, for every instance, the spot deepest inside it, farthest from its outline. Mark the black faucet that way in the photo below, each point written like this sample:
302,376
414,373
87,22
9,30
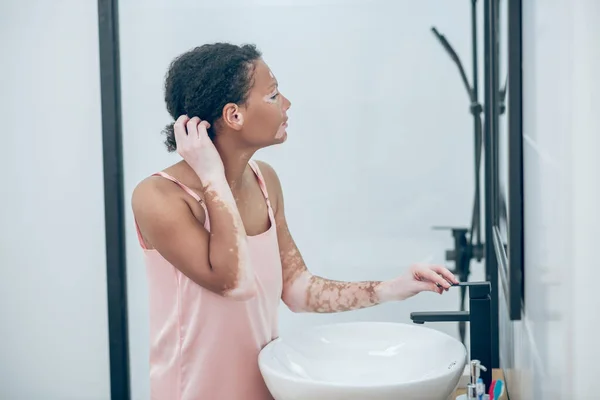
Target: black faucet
480,324
463,252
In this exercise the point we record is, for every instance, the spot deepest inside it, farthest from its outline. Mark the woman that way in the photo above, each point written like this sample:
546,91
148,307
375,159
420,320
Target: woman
218,250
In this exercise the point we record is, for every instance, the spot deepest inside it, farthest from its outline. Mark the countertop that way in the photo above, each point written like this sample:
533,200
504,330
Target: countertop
496,374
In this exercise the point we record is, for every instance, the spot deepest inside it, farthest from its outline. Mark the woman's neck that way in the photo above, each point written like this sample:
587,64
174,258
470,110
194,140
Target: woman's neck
235,160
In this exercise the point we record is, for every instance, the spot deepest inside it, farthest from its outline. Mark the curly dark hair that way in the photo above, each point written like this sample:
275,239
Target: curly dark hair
201,81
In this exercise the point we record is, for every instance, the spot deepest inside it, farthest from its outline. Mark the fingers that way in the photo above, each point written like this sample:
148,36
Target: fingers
432,276
186,127
180,128
430,287
204,125
197,128
192,127
443,271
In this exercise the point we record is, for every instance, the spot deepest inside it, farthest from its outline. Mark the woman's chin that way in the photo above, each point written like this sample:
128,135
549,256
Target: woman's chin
282,138
281,134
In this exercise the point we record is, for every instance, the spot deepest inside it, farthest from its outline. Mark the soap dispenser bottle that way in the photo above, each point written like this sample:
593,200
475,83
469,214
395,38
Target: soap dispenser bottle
472,392
476,369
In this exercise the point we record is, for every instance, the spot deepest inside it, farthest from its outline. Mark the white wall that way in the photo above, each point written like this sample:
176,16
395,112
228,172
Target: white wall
54,333
379,129
555,350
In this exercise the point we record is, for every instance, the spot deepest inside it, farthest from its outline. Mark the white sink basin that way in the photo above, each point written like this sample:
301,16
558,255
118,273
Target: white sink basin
363,361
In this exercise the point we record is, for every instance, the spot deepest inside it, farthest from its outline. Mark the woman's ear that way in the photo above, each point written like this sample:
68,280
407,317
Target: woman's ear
233,116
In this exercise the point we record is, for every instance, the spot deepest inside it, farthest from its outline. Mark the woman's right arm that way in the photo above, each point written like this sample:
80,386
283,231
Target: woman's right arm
219,260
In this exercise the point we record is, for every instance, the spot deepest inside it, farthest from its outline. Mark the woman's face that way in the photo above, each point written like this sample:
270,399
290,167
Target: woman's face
265,113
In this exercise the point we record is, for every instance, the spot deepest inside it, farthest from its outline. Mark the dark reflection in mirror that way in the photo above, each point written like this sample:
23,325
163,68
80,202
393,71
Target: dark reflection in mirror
502,110
506,143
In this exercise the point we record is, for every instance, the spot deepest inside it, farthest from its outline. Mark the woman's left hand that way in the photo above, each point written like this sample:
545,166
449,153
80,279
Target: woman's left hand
419,278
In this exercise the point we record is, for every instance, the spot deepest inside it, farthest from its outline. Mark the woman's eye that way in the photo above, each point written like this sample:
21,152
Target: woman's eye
274,96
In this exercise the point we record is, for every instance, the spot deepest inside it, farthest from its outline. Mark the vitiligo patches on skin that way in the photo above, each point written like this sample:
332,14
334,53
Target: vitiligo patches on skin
293,262
280,132
326,296
417,280
308,293
219,194
269,99
304,292
311,293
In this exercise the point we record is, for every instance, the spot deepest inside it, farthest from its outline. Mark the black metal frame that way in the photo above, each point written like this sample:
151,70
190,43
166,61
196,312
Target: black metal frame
508,251
114,213
516,260
491,263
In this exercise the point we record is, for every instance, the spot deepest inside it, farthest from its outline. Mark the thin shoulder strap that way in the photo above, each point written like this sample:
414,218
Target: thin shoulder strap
190,192
261,179
139,235
263,186
181,185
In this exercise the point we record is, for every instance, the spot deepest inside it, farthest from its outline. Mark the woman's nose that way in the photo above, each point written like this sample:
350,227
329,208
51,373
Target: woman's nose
287,103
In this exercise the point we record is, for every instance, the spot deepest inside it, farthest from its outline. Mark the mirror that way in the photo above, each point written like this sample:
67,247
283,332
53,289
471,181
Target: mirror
506,131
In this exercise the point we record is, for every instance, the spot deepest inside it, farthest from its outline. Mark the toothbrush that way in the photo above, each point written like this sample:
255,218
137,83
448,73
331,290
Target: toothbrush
500,391
491,392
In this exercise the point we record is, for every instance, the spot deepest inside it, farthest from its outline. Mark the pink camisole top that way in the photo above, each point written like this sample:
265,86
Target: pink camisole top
204,346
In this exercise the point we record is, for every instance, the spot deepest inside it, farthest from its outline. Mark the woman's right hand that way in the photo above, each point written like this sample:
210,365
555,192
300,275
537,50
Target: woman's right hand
196,148
419,278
